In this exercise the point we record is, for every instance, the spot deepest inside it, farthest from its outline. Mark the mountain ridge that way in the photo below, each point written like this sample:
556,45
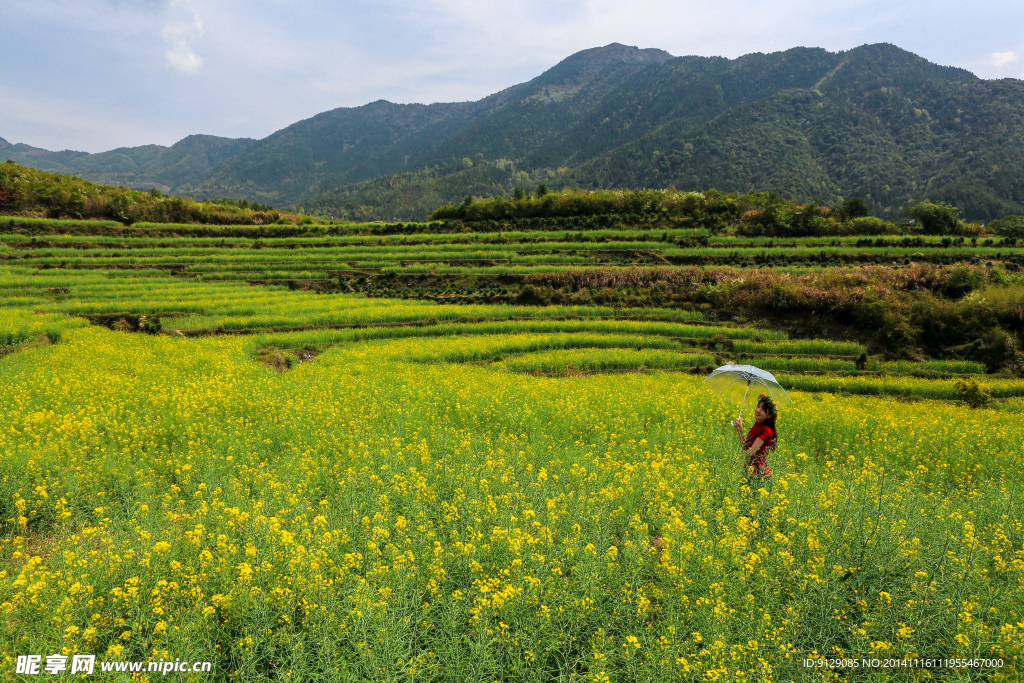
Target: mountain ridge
874,121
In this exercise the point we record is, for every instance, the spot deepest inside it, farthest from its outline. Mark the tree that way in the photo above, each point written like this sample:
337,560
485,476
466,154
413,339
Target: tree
122,207
519,194
854,207
1008,226
542,190
936,219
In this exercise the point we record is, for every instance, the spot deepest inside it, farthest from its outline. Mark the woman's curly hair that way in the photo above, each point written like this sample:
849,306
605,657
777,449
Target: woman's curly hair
769,405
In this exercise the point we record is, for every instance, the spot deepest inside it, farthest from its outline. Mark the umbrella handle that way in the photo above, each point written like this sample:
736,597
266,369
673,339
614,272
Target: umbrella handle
738,415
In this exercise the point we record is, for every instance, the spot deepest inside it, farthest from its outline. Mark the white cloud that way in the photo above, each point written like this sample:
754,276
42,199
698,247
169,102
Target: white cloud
1003,58
179,34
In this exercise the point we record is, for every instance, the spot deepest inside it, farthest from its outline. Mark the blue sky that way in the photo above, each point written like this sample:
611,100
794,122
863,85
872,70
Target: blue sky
93,75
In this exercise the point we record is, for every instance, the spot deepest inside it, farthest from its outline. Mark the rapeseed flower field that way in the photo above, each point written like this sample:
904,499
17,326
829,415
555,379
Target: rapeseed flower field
395,511
450,481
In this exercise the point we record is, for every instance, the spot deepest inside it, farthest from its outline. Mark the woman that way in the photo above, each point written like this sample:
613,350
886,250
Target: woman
761,438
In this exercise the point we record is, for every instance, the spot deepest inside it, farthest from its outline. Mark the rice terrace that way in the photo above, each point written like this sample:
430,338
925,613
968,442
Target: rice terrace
478,447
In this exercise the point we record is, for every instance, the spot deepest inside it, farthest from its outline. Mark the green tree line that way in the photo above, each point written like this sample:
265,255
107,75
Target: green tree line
752,214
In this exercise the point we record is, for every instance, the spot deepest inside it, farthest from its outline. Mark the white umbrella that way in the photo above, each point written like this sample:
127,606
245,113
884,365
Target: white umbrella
730,381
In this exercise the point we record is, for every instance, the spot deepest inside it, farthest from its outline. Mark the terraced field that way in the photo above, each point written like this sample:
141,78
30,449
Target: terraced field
347,253
215,280
329,453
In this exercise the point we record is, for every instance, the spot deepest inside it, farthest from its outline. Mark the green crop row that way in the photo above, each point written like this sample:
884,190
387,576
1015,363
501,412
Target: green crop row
923,369
928,241
963,367
140,239
475,250
827,347
597,360
472,349
897,386
310,310
669,332
832,252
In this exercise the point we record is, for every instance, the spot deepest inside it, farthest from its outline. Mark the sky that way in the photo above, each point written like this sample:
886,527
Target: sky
93,75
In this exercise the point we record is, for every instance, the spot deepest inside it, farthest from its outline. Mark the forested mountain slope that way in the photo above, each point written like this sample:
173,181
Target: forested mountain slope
882,124
348,145
875,122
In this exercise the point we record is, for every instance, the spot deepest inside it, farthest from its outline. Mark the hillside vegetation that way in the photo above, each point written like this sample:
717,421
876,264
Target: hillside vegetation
751,214
28,192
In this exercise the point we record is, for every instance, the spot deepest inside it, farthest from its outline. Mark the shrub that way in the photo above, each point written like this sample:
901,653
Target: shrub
14,337
149,325
973,395
974,230
275,358
963,280
869,225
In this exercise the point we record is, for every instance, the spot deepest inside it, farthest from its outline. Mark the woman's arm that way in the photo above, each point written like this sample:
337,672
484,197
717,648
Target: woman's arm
758,442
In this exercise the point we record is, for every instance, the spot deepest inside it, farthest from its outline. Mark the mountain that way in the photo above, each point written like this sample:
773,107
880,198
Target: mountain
348,145
141,168
876,122
338,147
880,123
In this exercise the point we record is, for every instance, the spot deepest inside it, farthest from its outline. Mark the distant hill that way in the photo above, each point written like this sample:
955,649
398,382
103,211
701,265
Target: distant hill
875,122
338,147
140,168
